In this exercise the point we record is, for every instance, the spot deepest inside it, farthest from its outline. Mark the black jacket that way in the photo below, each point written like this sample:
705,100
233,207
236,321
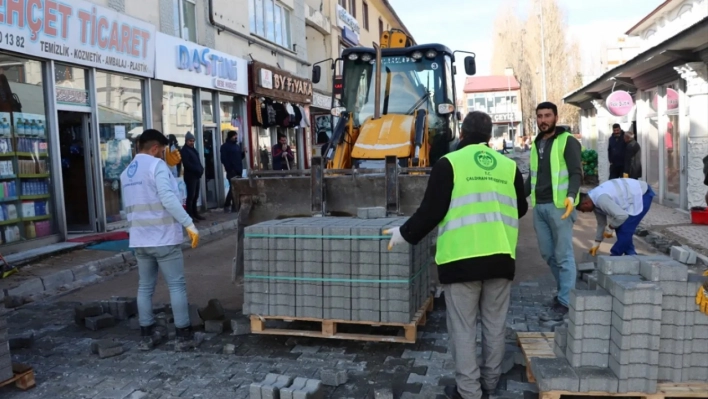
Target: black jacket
633,160
616,149
193,168
432,211
232,157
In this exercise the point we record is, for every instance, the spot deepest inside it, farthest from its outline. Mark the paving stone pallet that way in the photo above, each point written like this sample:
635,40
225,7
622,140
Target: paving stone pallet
639,328
327,328
334,268
22,377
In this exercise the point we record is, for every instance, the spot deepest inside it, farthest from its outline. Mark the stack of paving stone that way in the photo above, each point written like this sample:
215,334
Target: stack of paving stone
5,358
286,387
334,268
640,326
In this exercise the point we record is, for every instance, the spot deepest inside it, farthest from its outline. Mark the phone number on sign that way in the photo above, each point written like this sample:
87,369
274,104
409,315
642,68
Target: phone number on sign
12,40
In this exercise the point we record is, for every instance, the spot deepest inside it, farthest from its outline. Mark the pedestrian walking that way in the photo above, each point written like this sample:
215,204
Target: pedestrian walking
619,205
632,157
156,218
615,151
232,159
554,184
193,171
475,196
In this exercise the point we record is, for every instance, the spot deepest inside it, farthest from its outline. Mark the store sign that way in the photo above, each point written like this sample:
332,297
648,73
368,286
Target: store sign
345,20
503,117
619,103
72,96
195,65
349,36
672,100
281,85
78,32
321,101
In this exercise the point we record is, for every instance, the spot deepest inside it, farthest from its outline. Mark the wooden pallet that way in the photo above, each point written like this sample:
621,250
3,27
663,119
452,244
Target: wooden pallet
329,327
540,345
23,378
535,344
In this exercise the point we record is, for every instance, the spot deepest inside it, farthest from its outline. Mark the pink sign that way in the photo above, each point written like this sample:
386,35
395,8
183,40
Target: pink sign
619,103
672,100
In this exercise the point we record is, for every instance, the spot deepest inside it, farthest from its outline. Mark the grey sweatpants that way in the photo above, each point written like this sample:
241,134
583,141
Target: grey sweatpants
464,301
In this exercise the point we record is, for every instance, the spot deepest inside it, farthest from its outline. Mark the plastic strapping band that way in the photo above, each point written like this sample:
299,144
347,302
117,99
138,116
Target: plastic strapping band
333,280
317,237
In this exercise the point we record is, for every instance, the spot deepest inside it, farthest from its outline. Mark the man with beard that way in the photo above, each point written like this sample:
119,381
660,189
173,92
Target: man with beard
554,185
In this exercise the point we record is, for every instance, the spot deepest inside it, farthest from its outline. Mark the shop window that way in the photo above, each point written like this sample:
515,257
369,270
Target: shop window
71,85
352,8
177,112
271,21
184,117
343,3
365,14
120,122
26,193
185,19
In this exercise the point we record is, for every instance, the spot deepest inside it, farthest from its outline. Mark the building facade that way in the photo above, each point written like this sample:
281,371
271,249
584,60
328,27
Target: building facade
500,97
662,95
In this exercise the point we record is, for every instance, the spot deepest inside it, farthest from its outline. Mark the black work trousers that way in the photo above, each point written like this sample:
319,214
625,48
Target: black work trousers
230,201
192,195
616,171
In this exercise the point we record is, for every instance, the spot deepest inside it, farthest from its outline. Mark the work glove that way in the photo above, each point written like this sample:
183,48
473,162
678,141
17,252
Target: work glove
607,233
193,235
702,296
593,250
569,206
396,237
625,175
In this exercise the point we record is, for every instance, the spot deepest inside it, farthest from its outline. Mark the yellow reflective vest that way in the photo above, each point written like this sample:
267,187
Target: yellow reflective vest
559,171
483,218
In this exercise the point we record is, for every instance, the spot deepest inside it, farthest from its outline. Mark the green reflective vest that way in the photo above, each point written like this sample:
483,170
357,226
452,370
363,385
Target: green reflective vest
483,218
559,171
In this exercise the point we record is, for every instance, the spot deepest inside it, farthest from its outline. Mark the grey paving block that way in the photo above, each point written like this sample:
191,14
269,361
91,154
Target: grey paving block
597,379
272,391
298,384
662,269
588,345
637,385
696,374
631,290
585,359
683,255
579,332
625,371
636,311
623,265
676,303
560,336
590,300
590,317
634,326
585,266
554,374
333,378
634,356
634,341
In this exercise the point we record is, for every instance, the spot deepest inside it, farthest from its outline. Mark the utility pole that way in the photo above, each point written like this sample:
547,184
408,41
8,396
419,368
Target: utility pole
543,52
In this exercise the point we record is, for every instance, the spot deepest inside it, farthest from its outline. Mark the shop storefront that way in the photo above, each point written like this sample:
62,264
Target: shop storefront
507,128
280,106
201,91
662,96
67,93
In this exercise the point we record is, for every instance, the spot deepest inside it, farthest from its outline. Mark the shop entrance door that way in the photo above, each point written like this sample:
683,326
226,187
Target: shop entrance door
211,144
77,173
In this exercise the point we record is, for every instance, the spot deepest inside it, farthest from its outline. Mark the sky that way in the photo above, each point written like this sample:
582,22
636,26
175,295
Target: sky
468,24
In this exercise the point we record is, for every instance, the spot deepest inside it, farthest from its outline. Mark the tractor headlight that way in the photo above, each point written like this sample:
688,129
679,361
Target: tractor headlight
430,54
417,55
366,57
353,56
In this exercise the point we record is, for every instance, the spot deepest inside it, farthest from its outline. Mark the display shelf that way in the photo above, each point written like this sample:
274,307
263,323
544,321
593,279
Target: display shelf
35,218
11,221
8,199
32,197
32,154
8,177
34,175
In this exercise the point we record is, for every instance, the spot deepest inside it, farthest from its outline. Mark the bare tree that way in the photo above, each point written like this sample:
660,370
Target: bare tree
517,44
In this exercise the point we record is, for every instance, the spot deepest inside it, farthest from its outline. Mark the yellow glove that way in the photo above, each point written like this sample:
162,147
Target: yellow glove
625,175
193,235
569,205
607,234
172,157
593,250
396,237
702,299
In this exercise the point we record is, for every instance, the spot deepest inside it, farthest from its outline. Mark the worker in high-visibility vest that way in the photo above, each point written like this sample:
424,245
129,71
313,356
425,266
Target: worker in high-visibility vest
475,196
554,186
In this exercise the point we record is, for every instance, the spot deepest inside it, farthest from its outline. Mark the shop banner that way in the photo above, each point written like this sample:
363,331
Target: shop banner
78,32
188,63
619,103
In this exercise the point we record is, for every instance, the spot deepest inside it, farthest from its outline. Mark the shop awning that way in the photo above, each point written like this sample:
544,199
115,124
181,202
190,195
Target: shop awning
677,50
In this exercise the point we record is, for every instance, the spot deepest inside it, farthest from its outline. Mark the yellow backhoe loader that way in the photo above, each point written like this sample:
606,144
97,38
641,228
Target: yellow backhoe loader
397,116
